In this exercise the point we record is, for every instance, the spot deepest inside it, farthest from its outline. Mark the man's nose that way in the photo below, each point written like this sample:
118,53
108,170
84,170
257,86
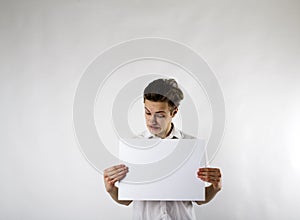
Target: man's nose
152,118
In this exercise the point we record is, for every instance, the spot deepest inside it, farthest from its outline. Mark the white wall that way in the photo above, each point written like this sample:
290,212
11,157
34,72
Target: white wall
252,46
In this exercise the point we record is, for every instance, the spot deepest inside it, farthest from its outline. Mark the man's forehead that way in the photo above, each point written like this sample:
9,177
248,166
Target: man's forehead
156,106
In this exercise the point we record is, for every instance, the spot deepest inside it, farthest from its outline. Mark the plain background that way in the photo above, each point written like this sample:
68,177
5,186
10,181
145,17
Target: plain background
252,46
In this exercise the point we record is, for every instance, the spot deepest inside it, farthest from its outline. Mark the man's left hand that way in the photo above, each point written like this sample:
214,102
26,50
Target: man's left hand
211,175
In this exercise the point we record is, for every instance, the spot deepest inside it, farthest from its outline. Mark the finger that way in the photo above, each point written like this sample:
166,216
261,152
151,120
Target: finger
116,167
209,174
117,178
209,169
120,172
210,179
216,172
114,170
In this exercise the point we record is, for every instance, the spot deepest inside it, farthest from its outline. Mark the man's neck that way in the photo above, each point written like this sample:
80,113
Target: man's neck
169,130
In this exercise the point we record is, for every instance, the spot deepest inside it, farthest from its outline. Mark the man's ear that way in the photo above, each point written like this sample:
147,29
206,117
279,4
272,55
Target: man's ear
174,112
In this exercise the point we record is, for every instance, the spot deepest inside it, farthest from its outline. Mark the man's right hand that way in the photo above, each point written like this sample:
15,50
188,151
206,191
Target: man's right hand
112,175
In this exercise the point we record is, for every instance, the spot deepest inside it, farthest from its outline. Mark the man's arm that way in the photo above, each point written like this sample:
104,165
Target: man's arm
213,176
111,176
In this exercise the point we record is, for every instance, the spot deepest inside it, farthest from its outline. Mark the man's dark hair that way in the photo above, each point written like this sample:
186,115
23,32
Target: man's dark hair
164,90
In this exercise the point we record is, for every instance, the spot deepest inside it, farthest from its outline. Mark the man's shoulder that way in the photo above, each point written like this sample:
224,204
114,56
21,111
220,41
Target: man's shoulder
144,134
186,136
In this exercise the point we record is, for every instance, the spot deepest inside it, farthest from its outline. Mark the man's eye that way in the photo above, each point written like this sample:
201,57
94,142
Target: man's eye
147,113
160,116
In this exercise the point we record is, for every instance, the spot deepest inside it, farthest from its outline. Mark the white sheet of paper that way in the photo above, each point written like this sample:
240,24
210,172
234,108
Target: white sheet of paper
180,184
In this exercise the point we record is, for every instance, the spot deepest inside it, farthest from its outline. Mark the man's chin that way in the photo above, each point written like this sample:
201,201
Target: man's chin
154,131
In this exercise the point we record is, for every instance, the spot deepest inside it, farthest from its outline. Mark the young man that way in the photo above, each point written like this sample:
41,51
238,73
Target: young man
161,100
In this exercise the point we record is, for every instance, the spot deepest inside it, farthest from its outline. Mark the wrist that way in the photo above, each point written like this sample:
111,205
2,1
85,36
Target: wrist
113,190
216,188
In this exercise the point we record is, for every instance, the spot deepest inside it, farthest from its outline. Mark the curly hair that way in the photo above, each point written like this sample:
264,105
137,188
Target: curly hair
164,90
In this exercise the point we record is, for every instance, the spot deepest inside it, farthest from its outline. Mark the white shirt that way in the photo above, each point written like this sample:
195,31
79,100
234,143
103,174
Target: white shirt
164,210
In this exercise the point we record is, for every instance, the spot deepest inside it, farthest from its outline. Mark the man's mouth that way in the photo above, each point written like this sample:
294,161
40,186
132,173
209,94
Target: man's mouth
153,127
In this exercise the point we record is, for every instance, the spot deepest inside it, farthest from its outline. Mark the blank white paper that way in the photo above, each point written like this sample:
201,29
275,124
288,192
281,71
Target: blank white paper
179,183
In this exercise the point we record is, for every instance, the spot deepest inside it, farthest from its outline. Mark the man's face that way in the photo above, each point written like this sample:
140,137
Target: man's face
158,117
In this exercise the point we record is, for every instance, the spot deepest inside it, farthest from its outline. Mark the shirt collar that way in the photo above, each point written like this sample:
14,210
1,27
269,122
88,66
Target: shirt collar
175,133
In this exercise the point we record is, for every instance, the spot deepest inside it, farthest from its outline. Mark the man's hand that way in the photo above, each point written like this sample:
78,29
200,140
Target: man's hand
112,175
211,175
